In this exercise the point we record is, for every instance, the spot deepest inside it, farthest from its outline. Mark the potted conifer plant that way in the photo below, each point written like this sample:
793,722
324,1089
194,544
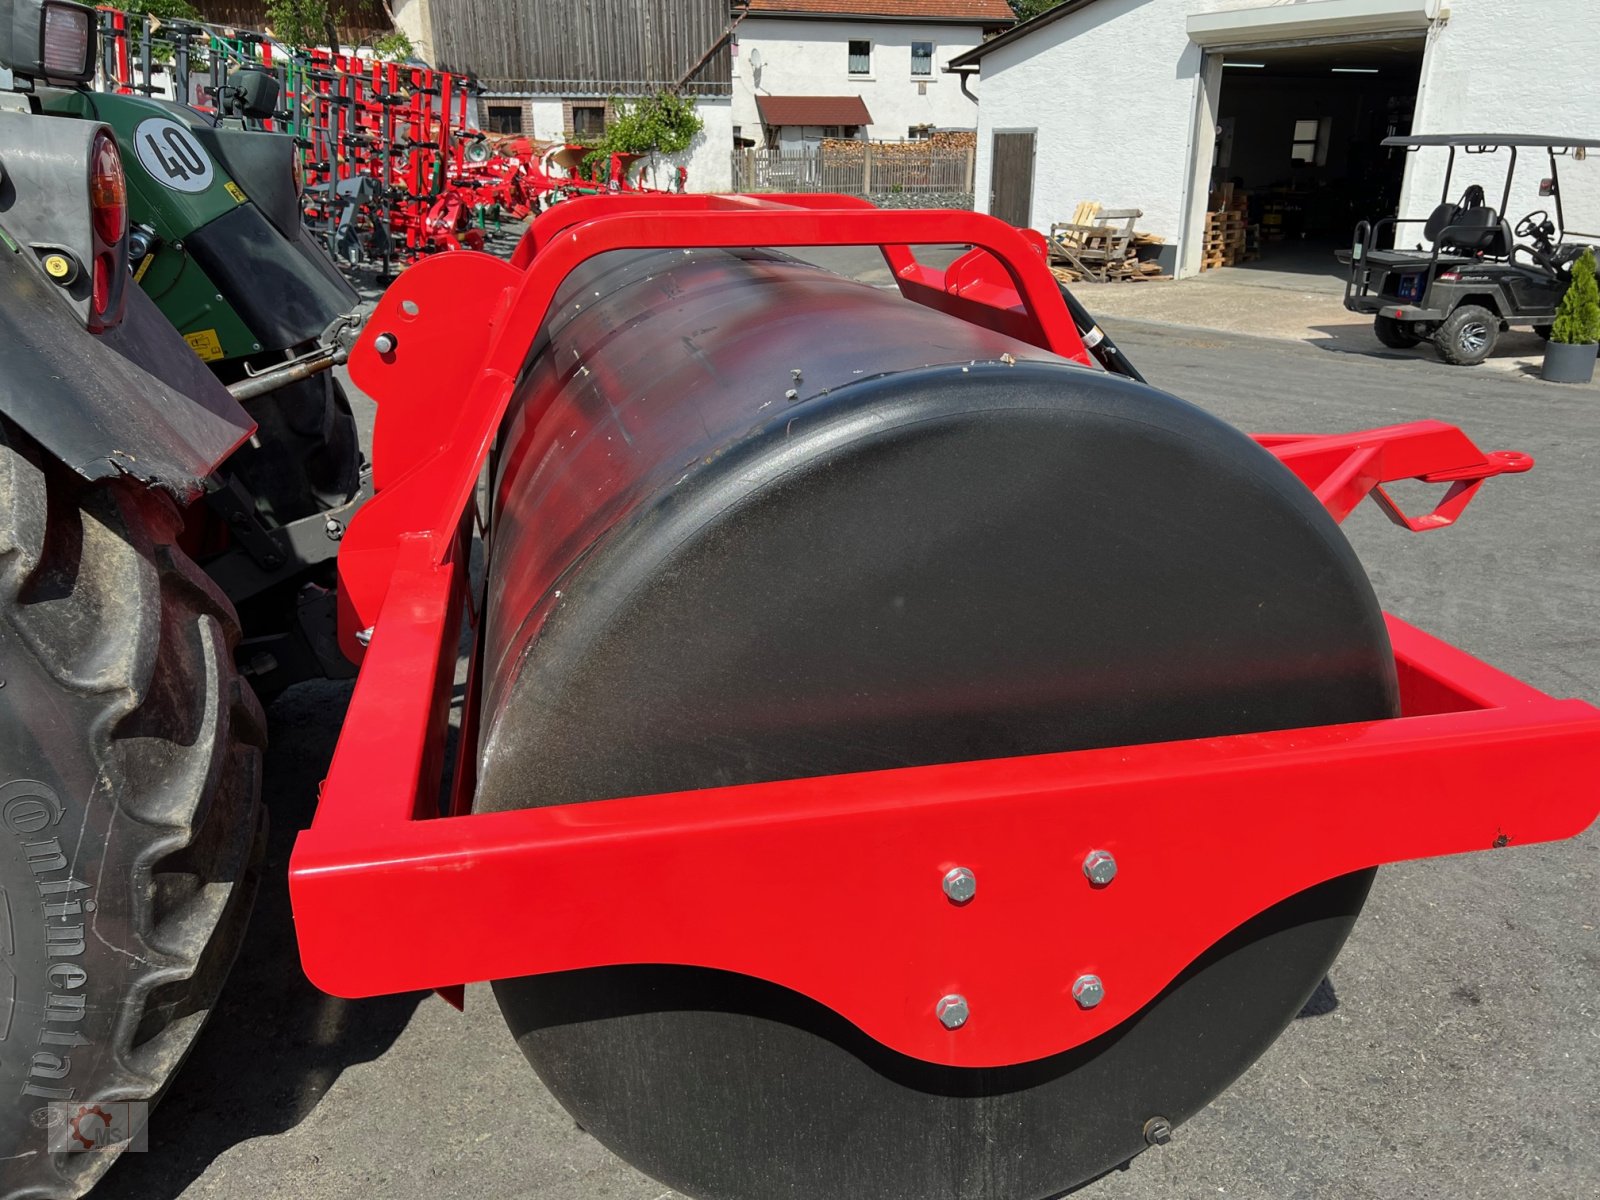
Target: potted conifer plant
1575,337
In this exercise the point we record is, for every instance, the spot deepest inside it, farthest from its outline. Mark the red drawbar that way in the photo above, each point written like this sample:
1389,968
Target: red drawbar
832,886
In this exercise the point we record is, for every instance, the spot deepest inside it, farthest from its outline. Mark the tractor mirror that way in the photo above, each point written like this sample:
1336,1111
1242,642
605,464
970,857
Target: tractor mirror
1547,188
47,39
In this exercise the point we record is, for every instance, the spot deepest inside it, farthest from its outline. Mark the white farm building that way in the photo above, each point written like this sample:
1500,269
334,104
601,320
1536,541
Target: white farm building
1157,104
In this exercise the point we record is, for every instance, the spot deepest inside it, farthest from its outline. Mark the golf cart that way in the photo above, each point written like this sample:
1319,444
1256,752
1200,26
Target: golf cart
1470,277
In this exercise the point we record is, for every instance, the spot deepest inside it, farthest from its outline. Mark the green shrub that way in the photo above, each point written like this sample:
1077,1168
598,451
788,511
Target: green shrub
1578,318
665,123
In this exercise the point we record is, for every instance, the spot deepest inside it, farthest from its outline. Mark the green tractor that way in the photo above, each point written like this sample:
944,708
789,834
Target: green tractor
216,240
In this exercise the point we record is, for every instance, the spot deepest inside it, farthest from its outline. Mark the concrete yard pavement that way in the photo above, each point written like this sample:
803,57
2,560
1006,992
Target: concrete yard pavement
1296,306
1453,1053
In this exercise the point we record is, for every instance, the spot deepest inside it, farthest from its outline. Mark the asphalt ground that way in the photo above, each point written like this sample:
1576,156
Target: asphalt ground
1453,1053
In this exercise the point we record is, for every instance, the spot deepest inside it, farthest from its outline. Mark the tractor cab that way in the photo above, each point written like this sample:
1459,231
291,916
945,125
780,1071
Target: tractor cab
1470,271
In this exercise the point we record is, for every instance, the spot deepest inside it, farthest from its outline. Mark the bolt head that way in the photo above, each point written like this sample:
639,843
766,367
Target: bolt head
960,884
1099,867
952,1011
384,343
1157,1131
1088,991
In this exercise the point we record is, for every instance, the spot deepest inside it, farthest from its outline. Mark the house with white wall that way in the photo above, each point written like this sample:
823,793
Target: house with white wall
1155,104
551,69
808,69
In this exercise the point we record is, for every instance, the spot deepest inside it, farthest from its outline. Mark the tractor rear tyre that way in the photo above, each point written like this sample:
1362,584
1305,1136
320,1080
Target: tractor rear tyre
1467,336
130,817
1397,335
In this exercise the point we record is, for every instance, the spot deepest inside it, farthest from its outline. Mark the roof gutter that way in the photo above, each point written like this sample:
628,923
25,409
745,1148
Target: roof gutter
1322,18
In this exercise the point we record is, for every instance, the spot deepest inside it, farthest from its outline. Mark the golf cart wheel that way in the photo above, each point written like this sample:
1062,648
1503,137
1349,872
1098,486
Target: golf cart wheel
130,818
1397,335
1467,336
1544,331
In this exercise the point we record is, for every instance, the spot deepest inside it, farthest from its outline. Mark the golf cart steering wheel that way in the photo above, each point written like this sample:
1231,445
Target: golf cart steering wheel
1536,225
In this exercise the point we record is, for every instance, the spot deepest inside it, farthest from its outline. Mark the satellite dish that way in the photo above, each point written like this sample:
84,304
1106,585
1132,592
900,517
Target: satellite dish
755,58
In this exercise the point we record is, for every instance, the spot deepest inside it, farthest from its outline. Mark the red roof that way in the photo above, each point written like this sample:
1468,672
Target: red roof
979,12
813,110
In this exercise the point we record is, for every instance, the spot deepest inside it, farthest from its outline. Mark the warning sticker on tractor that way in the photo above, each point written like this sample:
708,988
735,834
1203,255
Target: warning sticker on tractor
205,343
172,156
234,190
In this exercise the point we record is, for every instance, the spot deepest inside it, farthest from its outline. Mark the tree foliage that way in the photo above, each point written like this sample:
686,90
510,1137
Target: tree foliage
1578,318
1026,9
301,22
395,45
162,10
665,123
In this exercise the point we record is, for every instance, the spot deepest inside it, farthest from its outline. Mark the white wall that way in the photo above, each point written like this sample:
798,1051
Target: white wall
1512,66
709,159
1111,90
811,58
413,18
1115,93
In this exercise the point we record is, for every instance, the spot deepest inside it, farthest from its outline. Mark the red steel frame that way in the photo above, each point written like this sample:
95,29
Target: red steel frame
832,886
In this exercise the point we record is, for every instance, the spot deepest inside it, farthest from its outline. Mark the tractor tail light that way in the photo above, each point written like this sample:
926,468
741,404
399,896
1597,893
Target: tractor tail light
100,293
108,232
108,189
65,49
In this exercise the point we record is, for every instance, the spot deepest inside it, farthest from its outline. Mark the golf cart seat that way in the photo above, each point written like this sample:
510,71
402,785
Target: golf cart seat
1469,227
1478,231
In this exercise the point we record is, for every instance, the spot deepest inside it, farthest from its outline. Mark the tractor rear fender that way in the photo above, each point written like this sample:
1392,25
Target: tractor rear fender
133,400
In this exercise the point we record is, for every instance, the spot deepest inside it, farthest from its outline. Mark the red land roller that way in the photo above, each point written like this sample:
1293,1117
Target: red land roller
905,756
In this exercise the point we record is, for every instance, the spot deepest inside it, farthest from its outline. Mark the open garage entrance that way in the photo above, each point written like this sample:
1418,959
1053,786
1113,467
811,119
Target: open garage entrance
1298,159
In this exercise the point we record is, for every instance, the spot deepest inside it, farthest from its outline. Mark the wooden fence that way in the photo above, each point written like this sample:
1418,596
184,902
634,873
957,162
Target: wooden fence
861,169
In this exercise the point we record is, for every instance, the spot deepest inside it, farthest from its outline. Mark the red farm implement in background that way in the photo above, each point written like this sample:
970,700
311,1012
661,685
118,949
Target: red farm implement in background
890,723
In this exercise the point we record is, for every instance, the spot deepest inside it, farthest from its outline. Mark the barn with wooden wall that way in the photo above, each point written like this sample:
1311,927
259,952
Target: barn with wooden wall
549,67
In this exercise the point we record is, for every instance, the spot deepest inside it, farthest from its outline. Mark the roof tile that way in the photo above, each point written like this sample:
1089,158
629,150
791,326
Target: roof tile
979,12
813,110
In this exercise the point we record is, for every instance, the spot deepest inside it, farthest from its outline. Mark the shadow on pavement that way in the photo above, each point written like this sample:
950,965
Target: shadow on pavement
274,1043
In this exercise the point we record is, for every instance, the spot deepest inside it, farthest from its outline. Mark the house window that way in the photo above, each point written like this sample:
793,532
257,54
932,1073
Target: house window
1310,142
588,120
505,118
921,59
919,133
860,57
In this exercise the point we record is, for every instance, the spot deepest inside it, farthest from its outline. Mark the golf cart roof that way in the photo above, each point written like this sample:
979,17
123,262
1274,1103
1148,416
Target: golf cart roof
1491,139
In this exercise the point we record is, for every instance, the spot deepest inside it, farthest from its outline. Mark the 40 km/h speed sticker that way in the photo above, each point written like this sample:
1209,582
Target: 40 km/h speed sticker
172,156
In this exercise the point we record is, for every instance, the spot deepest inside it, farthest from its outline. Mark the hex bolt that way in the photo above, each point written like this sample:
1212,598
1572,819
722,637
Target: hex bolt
960,884
1157,1131
385,343
1088,991
1099,867
952,1011
334,529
